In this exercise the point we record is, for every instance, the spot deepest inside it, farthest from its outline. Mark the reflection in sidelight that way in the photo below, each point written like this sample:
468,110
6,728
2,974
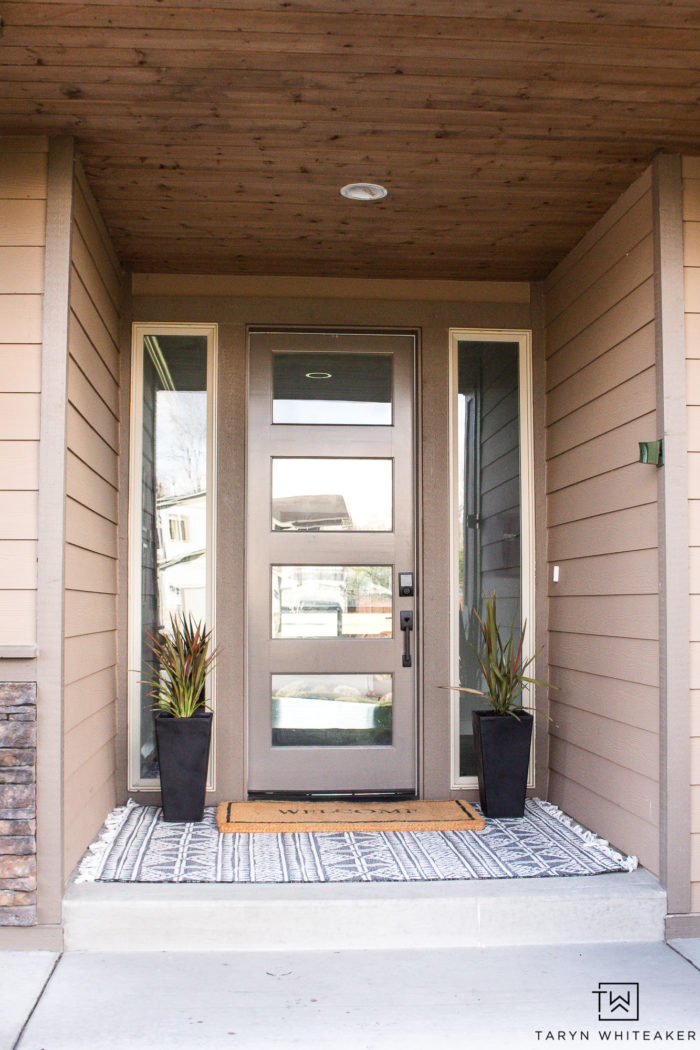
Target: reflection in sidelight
174,500
332,389
331,601
331,710
332,495
488,507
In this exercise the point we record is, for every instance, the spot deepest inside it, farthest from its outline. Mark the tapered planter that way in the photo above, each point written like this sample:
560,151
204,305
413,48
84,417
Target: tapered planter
502,745
183,757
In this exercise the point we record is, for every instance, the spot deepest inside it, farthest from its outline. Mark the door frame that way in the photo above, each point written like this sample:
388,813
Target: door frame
417,640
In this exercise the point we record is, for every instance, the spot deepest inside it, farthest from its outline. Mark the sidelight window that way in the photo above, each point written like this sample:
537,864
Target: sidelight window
491,508
171,507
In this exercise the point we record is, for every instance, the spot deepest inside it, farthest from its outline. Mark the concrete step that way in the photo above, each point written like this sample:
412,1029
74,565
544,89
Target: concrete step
623,907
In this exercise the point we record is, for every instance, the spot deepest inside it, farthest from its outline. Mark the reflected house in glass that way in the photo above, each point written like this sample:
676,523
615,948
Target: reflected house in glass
181,555
309,513
341,494
327,601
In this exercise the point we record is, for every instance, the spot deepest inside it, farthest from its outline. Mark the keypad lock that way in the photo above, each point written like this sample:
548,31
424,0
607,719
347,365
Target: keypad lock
406,588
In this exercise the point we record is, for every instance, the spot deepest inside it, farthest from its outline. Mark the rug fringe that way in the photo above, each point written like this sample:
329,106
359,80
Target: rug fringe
589,837
92,861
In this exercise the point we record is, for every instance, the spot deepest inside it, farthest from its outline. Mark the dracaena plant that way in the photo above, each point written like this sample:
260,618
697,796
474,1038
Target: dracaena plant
501,661
183,661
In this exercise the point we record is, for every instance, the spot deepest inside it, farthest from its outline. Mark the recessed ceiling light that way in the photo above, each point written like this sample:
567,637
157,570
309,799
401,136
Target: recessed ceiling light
318,375
363,191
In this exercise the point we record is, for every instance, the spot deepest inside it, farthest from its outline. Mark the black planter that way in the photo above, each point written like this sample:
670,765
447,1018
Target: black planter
502,745
183,757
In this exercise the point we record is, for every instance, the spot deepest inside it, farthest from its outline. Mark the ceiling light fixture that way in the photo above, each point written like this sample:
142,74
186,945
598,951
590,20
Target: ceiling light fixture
363,191
319,375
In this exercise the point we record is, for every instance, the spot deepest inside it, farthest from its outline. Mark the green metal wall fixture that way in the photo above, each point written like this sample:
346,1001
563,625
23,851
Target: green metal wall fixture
652,452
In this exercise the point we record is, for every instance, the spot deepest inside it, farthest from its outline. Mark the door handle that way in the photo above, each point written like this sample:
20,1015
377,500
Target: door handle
406,622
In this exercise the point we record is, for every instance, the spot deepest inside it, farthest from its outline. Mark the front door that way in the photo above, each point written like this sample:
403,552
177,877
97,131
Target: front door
330,546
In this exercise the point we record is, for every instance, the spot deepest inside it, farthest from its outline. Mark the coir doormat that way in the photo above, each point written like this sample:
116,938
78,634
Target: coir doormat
327,817
137,845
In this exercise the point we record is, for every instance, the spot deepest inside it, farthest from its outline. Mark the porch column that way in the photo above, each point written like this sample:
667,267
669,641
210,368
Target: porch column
674,627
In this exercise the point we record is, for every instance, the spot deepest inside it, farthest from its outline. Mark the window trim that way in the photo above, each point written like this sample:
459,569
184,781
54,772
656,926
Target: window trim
210,331
527,524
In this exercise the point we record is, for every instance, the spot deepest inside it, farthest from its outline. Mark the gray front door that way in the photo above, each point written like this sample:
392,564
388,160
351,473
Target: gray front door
331,509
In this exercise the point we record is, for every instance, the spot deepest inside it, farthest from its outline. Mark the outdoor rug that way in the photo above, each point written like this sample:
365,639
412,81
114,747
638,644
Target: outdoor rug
327,817
138,846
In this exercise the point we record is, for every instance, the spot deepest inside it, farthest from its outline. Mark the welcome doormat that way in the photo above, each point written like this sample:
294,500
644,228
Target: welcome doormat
138,846
327,817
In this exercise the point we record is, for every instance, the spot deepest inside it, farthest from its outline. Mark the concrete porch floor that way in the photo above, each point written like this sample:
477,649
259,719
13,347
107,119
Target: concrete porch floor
364,1000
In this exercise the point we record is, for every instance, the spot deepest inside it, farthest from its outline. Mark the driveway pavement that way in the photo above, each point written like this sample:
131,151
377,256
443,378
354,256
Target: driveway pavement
519,998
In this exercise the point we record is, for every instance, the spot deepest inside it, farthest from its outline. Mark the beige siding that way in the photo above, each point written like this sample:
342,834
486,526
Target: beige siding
23,187
691,251
500,483
602,530
92,428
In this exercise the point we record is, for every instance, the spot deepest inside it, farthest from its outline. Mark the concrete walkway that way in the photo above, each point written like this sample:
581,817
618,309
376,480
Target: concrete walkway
22,979
519,998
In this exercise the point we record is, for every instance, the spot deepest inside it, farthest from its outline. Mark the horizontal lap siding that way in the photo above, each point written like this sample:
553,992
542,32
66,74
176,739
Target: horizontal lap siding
23,187
500,484
602,530
691,246
91,529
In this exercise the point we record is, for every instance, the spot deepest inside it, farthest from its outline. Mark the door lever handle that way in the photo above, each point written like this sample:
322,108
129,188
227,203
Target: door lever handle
406,622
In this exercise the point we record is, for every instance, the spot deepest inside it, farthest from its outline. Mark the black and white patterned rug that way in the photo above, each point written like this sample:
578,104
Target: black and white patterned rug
138,846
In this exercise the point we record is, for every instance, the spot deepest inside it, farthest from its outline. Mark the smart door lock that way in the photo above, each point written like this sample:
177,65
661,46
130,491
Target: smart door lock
406,589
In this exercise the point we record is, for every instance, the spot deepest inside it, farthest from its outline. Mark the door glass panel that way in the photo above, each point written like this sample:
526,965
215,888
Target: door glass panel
336,389
174,501
331,601
332,495
331,710
489,509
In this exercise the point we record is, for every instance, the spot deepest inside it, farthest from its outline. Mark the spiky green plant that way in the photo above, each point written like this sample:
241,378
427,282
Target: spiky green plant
501,662
183,661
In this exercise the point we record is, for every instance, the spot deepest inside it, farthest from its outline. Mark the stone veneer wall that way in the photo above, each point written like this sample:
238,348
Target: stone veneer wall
17,803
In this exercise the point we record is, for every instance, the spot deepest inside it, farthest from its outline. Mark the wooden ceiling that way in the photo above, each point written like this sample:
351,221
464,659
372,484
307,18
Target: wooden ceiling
216,135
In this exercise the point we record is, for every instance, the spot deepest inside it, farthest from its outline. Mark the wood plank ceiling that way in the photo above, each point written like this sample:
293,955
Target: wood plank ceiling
216,135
